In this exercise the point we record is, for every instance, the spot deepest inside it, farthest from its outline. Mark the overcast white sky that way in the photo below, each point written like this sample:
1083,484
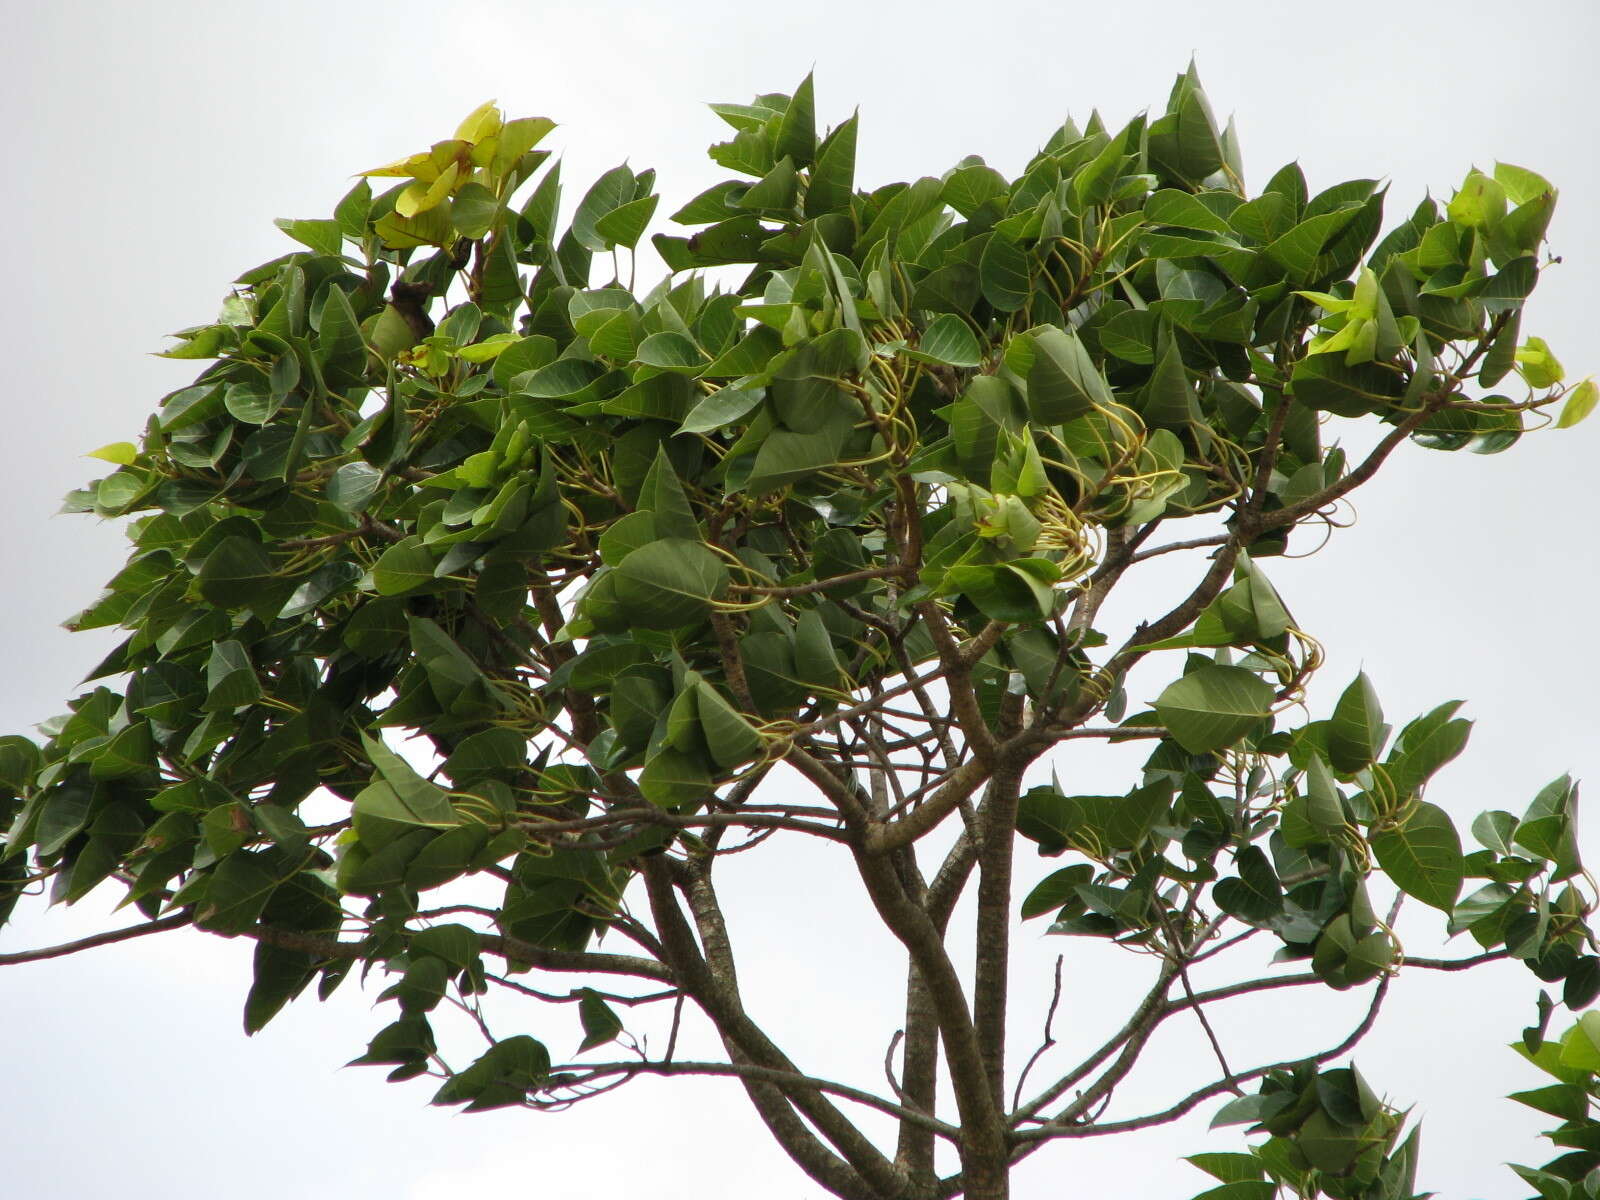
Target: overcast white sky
148,148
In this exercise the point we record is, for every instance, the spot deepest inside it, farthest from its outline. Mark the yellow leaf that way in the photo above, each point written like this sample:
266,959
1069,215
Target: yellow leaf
444,155
409,202
440,189
122,453
409,167
483,152
419,197
483,121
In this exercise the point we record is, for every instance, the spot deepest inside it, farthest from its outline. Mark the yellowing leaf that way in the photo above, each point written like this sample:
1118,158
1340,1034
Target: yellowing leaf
1479,204
482,122
1327,301
418,197
1580,403
410,200
1538,364
1521,184
125,453
403,168
1365,301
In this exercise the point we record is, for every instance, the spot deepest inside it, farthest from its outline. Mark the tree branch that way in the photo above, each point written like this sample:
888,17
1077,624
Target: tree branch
776,1078
869,1172
160,925
1031,1138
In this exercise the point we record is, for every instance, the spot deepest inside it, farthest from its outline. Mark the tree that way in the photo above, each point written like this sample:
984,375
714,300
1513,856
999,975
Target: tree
471,606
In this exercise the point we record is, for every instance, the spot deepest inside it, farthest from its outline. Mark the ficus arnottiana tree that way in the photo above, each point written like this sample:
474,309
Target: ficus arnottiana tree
603,562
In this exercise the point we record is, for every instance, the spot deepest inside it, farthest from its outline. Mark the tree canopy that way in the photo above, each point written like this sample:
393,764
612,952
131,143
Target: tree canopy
475,613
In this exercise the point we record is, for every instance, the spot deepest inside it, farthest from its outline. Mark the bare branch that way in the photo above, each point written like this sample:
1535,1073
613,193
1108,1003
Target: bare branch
770,1076
1030,1138
160,925
1049,1038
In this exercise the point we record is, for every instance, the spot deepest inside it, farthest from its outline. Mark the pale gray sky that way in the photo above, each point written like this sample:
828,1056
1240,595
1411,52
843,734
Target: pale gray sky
149,147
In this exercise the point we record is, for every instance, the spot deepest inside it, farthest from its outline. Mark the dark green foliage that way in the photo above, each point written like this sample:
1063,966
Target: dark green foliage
613,554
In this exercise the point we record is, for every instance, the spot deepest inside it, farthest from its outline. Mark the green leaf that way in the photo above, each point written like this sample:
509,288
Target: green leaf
775,191
130,751
503,1076
1495,830
1425,745
816,664
1324,807
403,567
408,1041
1229,1168
670,351
1005,591
1298,250
1521,185
669,583
673,778
833,178
325,237
1213,707
339,346
746,357
352,485
600,1023
1173,207
236,892
1056,889
1423,856
353,209
948,340
796,135
732,740
1580,1046
1356,733
1564,1100
608,193
722,407
786,456
230,678
969,188
1256,896
662,496
279,976
400,794
19,762
235,572
626,224
1004,275
1063,382
457,945
1168,400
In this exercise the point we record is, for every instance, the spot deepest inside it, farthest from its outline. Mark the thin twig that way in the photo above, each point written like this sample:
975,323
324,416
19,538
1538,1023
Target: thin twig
1049,1036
